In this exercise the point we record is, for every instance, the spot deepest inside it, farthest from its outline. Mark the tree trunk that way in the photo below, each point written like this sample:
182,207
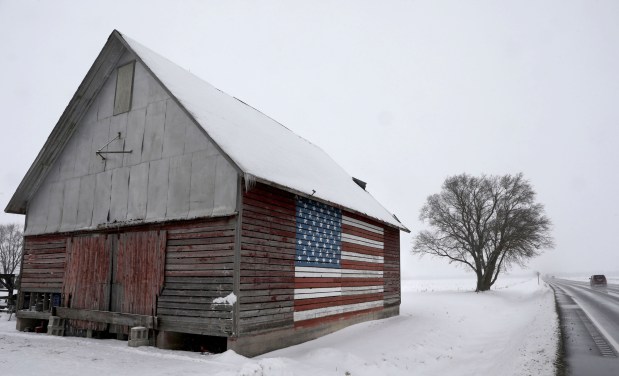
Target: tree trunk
484,282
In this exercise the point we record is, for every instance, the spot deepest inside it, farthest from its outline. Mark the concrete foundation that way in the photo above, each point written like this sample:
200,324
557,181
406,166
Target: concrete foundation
55,326
138,337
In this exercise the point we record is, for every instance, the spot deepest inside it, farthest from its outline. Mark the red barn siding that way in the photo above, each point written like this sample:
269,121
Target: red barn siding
87,277
369,296
43,264
267,260
138,271
199,268
392,267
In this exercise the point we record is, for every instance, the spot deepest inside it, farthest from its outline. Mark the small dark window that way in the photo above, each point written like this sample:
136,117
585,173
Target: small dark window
124,88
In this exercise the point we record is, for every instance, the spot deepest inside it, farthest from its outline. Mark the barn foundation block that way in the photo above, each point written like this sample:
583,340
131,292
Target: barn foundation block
138,337
55,327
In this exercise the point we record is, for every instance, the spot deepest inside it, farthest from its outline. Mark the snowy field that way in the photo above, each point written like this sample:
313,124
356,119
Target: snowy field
444,329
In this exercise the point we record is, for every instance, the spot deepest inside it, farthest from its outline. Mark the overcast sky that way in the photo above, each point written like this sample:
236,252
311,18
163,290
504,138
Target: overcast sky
401,94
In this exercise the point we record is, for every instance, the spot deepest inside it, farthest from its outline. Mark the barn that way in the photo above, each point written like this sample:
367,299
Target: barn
162,204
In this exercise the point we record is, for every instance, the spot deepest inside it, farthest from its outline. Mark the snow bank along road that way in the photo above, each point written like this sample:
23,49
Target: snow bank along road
444,329
590,325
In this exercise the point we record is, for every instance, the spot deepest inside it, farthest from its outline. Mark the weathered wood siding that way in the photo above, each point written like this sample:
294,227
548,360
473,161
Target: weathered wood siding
87,277
43,265
356,287
172,172
268,286
199,268
138,267
392,267
267,260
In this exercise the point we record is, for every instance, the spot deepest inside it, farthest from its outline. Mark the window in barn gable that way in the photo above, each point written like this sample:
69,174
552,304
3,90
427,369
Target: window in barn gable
124,88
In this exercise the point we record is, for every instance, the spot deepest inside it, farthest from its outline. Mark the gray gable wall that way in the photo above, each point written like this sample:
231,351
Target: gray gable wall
173,171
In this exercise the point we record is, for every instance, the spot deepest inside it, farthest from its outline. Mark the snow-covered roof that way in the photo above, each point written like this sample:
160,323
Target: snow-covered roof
261,147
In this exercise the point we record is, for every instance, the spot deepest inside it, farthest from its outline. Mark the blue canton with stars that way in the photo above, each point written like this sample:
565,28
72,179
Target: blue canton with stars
319,238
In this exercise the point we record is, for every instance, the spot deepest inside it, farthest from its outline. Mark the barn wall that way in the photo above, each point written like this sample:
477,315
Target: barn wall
172,172
267,260
199,269
43,266
392,267
124,270
279,305
276,294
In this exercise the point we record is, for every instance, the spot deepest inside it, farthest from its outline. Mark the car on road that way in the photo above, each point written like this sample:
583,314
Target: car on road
597,280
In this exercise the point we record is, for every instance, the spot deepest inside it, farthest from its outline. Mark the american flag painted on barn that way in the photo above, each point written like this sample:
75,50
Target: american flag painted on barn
338,263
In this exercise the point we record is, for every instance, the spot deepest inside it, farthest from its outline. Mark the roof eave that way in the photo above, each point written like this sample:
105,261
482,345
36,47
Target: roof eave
303,194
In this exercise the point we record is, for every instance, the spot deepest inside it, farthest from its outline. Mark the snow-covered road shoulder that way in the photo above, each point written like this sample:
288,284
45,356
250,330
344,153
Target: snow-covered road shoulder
443,329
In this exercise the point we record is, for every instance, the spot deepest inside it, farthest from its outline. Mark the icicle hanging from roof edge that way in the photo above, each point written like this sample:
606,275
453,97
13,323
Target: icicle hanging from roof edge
250,181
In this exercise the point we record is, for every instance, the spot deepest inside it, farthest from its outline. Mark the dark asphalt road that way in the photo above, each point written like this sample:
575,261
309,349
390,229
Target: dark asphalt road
590,325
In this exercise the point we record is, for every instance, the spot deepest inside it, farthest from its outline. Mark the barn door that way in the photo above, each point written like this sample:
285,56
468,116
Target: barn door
137,272
86,283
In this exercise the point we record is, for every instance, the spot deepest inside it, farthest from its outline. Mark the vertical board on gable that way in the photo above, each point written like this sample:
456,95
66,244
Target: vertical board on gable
136,121
55,204
105,99
202,190
100,137
176,123
70,204
83,153
36,220
225,187
103,186
86,203
118,124
195,140
138,191
153,131
68,158
120,193
145,88
157,189
180,184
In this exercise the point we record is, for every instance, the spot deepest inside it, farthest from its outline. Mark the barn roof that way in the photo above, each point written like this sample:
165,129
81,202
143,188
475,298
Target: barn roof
261,148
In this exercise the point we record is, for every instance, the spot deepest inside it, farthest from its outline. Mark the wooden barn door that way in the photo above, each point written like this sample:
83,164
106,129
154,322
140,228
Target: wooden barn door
87,278
120,272
137,272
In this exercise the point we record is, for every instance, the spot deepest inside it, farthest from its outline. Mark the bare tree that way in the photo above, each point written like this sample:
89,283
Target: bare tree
484,223
11,244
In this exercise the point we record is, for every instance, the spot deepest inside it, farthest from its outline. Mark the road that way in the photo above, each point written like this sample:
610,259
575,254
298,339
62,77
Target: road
590,326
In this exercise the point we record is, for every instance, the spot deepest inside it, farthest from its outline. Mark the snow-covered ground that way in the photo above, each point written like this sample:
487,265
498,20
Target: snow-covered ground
444,329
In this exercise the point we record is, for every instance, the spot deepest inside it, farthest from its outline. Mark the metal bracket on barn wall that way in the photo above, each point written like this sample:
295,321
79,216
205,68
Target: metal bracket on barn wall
101,151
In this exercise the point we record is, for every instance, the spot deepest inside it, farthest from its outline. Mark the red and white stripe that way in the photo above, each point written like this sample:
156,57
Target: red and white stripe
323,293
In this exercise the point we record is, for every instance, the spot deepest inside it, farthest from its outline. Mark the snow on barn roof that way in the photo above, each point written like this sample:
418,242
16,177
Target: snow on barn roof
262,149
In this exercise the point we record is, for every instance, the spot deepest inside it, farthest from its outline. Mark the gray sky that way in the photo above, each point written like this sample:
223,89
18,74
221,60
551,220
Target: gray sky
401,94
